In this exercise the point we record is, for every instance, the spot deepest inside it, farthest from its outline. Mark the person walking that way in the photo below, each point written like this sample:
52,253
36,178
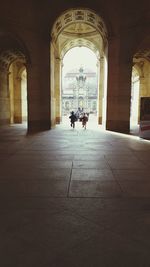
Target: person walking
84,120
72,118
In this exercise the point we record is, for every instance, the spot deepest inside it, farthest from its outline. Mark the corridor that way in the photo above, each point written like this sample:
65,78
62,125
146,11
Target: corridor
74,198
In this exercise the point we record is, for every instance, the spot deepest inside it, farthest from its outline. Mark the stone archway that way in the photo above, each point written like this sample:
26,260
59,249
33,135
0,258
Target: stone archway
81,16
18,92
77,27
141,63
13,57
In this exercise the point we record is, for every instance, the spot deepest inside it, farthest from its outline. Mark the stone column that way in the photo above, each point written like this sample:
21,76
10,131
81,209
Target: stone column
4,98
119,89
17,101
24,96
38,91
57,82
101,89
52,89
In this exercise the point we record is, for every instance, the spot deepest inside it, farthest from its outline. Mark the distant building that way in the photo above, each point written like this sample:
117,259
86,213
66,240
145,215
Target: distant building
79,91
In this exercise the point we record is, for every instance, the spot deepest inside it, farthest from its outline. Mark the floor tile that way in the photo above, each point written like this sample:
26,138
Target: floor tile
94,189
90,164
92,175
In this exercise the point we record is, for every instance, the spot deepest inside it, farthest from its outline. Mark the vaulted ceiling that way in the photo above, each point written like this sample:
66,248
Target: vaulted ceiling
10,50
79,27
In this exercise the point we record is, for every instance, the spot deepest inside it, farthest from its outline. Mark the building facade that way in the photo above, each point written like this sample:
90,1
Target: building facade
79,91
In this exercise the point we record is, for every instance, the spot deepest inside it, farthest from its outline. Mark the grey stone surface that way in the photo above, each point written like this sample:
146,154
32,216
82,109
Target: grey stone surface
78,204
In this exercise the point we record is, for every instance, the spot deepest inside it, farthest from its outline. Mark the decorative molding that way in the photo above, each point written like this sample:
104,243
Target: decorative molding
8,56
143,54
79,17
79,42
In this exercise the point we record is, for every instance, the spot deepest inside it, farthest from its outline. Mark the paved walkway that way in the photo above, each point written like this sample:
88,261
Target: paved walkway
74,198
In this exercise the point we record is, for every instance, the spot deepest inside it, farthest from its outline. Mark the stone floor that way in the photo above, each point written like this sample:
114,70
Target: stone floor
74,198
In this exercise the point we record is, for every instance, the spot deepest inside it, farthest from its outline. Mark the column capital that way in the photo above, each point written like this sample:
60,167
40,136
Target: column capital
58,59
18,78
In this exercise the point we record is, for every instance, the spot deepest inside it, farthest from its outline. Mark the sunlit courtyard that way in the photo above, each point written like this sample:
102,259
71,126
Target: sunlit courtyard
92,123
80,86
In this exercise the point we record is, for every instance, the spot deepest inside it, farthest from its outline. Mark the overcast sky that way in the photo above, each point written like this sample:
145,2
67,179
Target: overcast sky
77,57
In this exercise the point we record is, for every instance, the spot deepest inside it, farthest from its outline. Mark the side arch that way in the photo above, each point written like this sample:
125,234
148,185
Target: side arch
13,56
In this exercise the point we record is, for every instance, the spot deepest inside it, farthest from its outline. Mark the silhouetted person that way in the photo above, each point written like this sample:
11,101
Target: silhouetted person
72,118
84,120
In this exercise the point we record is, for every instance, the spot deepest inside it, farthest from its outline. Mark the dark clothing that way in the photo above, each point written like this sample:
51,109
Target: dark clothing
73,119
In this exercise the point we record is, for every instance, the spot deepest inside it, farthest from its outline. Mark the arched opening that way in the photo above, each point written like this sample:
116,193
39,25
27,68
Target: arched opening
13,80
78,28
140,82
24,95
134,113
18,92
79,91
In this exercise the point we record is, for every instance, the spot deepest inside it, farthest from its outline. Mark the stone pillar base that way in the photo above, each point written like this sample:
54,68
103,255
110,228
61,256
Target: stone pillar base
58,120
4,121
17,119
99,120
38,126
53,123
118,126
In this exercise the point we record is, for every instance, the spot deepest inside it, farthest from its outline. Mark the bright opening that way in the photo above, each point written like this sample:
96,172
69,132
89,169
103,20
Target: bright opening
134,113
24,95
18,92
80,84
